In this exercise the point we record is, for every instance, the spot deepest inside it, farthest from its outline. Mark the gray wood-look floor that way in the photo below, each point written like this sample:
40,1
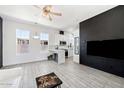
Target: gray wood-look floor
72,74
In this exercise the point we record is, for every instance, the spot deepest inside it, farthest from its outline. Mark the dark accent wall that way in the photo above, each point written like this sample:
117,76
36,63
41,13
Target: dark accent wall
1,60
106,26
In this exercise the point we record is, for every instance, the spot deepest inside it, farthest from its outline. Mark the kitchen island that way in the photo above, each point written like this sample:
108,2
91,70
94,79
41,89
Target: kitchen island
59,55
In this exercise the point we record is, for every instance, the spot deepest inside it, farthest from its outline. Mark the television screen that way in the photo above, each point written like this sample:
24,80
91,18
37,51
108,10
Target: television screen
106,48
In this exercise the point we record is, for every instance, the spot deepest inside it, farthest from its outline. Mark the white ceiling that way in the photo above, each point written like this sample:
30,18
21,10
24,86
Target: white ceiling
71,14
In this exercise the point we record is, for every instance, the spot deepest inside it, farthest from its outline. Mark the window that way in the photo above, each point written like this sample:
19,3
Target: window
44,37
22,41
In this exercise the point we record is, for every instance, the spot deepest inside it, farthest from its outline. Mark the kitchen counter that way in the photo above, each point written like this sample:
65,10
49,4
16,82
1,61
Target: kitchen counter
69,50
60,55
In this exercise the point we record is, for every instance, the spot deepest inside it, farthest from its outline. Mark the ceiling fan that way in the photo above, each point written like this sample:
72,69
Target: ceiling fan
47,11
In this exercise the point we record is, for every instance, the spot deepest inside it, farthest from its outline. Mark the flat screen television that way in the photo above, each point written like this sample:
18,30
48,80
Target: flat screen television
106,48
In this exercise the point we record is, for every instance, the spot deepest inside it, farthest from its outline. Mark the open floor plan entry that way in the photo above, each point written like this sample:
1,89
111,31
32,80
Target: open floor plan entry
61,46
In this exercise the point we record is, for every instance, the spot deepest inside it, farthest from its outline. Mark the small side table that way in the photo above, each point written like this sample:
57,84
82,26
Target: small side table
50,80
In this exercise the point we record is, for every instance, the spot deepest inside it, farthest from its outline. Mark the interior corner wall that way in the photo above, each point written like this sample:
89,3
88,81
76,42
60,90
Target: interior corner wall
9,42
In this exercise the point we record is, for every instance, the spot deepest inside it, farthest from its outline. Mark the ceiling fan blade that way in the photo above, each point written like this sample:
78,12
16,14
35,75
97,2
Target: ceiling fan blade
48,6
50,18
37,7
54,13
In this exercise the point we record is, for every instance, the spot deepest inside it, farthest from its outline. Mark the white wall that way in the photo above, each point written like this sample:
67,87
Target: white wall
9,42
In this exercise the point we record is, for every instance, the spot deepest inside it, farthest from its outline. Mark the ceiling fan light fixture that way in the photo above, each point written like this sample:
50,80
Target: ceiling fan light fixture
47,11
